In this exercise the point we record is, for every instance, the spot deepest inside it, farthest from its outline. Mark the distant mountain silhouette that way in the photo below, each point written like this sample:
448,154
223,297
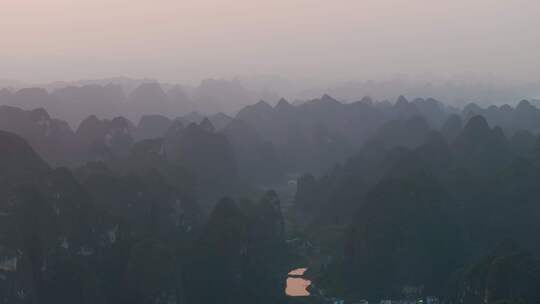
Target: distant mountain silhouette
152,126
394,200
52,138
105,139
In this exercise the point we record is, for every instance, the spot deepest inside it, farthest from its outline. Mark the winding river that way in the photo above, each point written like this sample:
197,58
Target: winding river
296,284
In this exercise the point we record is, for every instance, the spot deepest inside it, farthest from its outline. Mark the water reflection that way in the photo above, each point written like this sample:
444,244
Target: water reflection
296,285
298,272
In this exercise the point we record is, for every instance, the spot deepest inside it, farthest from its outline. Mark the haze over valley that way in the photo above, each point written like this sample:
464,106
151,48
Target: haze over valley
301,152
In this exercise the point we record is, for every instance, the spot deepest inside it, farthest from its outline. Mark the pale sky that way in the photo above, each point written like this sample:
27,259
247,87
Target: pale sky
187,40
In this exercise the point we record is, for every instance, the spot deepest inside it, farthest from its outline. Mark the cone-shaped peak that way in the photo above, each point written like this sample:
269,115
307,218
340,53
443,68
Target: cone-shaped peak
207,125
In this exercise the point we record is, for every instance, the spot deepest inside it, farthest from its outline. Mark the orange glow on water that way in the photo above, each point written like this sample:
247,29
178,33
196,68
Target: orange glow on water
297,286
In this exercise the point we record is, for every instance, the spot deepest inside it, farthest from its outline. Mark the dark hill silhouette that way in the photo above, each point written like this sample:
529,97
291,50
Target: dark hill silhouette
152,126
472,192
204,152
149,98
257,159
53,139
404,199
105,139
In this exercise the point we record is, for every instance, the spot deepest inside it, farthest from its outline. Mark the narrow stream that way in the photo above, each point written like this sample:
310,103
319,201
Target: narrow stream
296,284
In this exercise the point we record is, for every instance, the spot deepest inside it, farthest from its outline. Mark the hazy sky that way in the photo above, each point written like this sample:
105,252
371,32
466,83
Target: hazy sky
186,40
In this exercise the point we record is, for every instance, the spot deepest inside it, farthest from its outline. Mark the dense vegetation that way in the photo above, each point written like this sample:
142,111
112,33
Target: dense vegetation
400,200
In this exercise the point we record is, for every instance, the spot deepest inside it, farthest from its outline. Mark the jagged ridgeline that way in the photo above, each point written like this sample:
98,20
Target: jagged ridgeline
154,202
104,235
